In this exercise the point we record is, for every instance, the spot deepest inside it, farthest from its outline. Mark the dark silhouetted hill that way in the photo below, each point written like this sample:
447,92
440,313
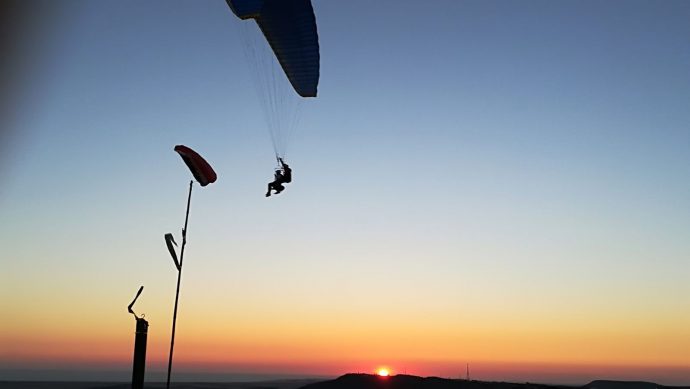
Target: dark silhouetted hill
368,381
604,384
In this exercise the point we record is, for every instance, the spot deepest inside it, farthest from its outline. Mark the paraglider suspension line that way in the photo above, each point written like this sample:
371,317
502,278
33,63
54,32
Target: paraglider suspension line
179,278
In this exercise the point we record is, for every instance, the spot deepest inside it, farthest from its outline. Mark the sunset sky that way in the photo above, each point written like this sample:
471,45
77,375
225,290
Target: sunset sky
499,183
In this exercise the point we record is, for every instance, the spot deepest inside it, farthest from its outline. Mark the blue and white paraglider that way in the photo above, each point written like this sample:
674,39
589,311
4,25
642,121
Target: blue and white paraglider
284,58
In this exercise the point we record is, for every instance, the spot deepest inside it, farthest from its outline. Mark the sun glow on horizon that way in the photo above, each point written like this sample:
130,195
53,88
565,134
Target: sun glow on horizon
383,372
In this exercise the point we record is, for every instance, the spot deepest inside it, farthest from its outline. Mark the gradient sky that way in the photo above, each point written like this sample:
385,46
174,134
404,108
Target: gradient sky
500,183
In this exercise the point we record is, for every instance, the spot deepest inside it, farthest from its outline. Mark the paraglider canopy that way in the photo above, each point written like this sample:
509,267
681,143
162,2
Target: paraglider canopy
290,29
201,170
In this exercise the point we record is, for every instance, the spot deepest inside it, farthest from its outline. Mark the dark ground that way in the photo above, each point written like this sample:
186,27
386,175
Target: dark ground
277,384
348,381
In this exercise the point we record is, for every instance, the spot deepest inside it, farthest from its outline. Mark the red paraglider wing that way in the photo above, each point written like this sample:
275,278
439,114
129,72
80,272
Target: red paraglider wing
202,171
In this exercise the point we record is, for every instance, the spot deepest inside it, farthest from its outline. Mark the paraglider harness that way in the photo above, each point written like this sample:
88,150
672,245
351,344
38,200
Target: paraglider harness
286,172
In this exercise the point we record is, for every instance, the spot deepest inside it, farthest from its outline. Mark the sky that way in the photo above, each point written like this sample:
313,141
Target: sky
495,183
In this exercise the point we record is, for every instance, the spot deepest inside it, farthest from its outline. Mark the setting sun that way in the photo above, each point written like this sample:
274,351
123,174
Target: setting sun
383,372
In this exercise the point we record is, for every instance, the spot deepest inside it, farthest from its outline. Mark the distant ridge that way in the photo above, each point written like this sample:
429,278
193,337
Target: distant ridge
401,381
368,381
608,384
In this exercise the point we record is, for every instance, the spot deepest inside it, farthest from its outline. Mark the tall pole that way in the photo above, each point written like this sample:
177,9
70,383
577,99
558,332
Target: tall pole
179,278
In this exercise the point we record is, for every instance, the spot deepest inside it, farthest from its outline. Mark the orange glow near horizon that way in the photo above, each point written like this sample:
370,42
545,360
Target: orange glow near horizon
383,372
231,346
309,334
